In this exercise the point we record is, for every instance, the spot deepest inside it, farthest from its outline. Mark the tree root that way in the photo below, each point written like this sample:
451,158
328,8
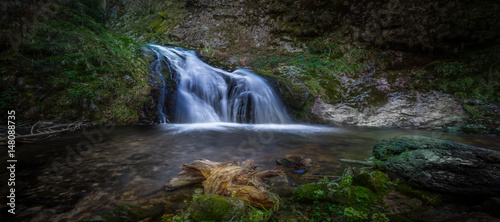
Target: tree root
228,179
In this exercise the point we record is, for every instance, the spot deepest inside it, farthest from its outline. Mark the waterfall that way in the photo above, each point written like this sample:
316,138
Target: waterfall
207,94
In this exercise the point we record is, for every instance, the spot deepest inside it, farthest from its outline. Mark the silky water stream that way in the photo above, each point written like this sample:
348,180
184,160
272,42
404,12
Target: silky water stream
219,115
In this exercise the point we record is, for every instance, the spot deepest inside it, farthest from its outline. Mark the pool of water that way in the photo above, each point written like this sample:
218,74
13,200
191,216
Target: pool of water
98,169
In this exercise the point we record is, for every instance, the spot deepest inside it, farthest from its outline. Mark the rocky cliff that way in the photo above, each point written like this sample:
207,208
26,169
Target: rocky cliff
387,63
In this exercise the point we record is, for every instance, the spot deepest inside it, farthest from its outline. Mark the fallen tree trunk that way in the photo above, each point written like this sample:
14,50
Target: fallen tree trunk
228,179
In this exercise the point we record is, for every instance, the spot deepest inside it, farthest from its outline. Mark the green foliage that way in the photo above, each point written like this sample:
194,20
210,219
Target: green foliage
84,67
311,192
257,214
348,198
321,67
151,20
379,217
213,208
7,99
376,181
474,75
352,215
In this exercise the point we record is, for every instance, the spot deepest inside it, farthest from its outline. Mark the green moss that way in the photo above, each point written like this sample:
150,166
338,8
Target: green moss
311,192
352,215
473,75
84,69
376,181
212,207
379,217
122,210
318,71
354,195
351,198
151,21
256,215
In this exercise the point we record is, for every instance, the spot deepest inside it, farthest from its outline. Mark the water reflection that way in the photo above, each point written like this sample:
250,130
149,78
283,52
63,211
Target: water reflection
131,164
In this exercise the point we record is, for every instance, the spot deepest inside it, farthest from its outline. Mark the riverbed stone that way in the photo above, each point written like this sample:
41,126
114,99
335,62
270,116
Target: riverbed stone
441,165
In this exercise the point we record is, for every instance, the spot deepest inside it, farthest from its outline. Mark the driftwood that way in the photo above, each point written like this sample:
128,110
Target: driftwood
228,179
42,131
360,162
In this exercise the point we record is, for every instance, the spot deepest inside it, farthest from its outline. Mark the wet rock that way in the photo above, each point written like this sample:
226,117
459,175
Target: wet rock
441,165
283,192
284,162
294,161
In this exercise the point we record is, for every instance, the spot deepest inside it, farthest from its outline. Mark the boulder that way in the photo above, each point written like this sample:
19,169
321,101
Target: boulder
441,165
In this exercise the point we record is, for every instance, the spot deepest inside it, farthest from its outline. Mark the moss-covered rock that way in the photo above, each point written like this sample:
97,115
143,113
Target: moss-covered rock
388,148
441,165
376,181
212,207
311,192
351,199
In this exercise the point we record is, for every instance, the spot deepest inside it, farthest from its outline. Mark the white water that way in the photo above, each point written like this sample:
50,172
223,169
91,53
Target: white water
296,129
206,94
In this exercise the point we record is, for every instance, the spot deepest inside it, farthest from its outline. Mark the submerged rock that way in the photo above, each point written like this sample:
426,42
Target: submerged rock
284,162
441,165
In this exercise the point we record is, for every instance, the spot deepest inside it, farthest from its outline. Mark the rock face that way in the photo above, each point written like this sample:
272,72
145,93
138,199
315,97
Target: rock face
269,23
441,165
427,110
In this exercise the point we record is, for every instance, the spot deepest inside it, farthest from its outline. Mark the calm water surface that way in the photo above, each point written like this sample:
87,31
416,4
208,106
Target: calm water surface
131,164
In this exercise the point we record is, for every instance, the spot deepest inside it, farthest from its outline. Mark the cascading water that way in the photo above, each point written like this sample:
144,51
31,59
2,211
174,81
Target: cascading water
207,94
